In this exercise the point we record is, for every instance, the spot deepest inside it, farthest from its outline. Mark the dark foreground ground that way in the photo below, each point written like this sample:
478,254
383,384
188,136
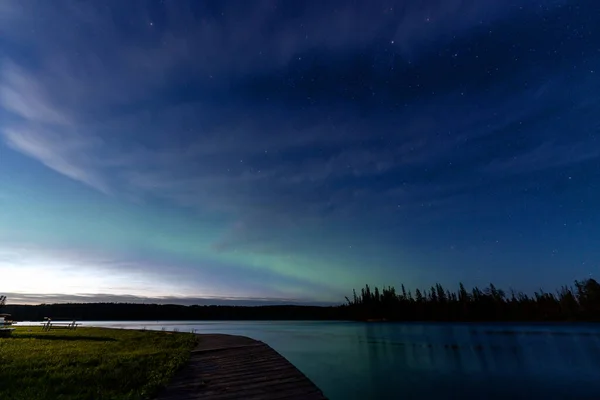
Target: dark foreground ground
89,363
236,367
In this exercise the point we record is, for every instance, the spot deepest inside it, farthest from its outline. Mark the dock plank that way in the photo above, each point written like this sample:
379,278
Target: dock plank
227,367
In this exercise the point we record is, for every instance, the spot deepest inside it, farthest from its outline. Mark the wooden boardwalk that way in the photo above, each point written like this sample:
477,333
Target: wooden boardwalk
236,367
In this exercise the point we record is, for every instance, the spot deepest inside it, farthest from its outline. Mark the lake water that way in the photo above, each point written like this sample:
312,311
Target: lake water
349,360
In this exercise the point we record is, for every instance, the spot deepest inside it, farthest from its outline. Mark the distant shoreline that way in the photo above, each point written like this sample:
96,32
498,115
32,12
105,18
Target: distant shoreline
437,304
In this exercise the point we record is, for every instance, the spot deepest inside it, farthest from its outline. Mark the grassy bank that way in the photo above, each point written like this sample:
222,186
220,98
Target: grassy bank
89,363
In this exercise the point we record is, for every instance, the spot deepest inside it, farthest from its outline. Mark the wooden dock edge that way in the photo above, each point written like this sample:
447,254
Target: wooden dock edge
227,367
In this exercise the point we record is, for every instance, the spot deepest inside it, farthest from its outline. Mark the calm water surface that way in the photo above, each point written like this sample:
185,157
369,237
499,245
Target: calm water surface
350,360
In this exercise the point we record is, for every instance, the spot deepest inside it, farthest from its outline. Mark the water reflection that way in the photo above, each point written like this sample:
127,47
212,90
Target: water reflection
445,361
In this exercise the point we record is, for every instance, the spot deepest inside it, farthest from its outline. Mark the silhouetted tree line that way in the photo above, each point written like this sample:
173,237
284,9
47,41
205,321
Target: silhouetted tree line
578,303
581,302
167,312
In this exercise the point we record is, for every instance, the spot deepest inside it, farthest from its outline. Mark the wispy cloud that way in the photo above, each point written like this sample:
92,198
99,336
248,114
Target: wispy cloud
42,131
66,155
22,94
545,156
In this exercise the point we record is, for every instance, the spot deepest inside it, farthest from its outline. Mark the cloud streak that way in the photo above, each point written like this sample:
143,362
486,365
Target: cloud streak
64,154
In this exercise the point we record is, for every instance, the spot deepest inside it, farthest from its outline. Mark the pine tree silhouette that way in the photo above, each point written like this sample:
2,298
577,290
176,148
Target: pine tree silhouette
491,303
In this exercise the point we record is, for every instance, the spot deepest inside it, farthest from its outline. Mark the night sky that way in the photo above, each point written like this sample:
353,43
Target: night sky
293,151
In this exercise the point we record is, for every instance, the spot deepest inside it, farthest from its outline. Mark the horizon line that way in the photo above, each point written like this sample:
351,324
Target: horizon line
31,299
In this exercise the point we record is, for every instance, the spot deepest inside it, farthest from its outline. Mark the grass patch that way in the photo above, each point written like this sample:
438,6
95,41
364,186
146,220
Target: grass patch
89,363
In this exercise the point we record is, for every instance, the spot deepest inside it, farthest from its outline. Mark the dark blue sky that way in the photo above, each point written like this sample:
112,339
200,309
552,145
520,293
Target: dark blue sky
295,150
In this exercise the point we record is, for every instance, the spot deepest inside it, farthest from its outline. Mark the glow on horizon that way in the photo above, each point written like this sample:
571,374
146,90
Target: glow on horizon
47,274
